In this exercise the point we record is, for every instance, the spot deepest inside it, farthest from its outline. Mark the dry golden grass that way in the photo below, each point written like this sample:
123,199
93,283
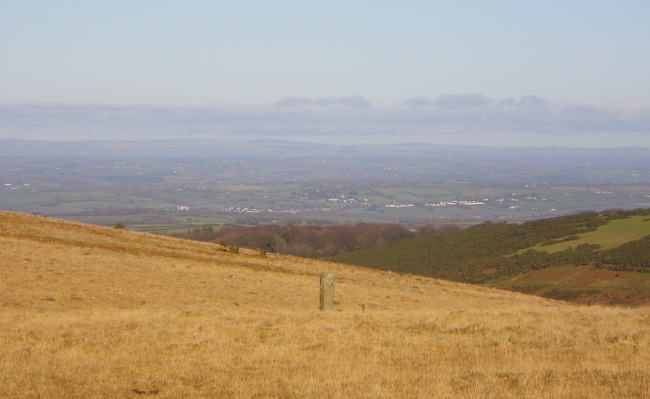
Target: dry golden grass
90,312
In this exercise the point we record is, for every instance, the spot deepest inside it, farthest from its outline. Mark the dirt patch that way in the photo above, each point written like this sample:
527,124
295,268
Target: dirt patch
588,276
637,282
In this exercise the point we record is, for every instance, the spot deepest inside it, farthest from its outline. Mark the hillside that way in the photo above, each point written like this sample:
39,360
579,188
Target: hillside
87,311
503,255
310,241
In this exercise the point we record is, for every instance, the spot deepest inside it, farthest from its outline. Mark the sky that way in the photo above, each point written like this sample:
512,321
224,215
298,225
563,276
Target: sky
488,72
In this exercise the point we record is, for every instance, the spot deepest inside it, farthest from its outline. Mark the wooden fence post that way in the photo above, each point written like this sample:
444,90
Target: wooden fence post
326,290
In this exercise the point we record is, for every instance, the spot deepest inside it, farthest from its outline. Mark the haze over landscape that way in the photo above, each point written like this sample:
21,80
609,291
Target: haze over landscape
175,177
499,74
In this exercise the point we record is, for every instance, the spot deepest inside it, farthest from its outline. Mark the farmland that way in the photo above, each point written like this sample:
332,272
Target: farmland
611,235
412,203
182,184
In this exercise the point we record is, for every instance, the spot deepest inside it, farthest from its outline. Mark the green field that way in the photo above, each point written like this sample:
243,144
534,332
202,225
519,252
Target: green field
509,255
413,190
611,235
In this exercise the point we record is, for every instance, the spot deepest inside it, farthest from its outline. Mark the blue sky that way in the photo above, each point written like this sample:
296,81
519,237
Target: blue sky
250,54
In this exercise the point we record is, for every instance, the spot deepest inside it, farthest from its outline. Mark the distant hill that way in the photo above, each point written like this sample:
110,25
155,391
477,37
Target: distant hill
417,161
613,245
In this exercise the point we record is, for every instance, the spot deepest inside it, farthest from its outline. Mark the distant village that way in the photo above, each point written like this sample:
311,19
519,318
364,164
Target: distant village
365,202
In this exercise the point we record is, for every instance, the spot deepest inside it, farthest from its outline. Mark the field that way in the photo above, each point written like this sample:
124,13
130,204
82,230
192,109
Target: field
410,203
611,235
87,311
184,182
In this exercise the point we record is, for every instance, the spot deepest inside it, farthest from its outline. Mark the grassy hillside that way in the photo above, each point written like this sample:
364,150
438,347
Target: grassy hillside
491,253
91,312
611,235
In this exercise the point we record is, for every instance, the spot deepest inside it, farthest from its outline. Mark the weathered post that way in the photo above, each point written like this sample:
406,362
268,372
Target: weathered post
326,290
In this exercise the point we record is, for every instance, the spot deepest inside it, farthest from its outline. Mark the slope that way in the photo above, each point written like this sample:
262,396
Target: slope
491,253
87,311
465,255
614,234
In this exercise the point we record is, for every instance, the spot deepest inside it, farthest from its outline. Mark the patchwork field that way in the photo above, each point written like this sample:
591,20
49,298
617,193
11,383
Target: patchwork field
183,182
611,235
87,311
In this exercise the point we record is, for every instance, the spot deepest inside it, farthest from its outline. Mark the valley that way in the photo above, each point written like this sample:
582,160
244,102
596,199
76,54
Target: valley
180,184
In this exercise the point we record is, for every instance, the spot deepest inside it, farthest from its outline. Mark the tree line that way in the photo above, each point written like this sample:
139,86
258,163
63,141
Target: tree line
312,240
484,253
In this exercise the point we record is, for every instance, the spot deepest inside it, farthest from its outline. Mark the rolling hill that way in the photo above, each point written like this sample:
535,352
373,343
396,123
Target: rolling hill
610,251
87,311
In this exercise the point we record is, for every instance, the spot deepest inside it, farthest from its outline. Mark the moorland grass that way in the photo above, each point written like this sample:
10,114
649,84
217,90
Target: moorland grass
91,312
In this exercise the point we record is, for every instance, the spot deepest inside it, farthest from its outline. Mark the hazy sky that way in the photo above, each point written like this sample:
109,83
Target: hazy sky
569,53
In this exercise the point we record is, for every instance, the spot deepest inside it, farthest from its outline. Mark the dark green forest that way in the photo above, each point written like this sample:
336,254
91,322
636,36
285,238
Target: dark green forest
487,252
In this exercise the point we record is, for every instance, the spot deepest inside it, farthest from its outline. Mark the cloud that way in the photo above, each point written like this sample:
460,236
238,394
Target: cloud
417,102
458,101
337,119
532,102
352,102
627,110
294,102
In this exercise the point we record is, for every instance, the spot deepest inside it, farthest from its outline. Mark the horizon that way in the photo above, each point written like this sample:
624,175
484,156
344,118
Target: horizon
353,144
451,120
536,73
